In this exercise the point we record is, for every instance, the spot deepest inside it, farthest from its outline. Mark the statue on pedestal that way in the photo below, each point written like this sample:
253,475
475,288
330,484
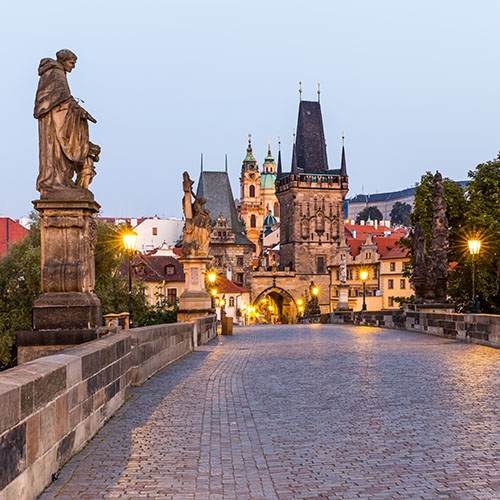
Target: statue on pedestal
64,146
197,225
430,273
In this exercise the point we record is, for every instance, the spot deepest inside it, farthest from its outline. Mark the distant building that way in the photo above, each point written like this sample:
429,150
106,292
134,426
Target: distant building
231,249
257,195
154,233
11,231
374,249
161,274
383,201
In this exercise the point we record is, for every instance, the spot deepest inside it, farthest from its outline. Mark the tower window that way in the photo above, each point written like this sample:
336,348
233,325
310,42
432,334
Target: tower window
253,221
320,265
251,191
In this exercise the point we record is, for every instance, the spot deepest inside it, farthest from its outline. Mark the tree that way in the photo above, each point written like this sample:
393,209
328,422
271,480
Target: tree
480,220
369,213
401,214
19,286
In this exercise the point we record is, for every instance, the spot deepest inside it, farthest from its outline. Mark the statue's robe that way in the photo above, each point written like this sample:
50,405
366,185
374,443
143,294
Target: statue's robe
62,128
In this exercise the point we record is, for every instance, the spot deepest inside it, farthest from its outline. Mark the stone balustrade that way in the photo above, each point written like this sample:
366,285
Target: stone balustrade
52,406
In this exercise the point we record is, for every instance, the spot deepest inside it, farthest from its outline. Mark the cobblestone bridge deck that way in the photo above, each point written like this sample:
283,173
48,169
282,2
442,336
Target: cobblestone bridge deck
304,412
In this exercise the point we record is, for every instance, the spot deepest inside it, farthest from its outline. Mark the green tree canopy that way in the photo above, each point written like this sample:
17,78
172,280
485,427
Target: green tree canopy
481,220
19,286
369,213
401,214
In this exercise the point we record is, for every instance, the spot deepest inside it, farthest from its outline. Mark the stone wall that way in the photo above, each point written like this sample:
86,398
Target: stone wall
52,406
481,329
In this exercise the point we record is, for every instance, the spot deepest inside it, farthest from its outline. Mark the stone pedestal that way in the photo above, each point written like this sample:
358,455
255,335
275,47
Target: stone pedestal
195,301
67,311
68,236
343,303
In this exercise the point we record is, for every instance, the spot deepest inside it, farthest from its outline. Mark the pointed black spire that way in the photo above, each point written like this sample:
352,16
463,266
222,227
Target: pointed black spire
310,144
279,168
343,165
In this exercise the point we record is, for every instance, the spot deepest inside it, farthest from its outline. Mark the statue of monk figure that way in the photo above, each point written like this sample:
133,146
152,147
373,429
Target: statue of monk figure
63,128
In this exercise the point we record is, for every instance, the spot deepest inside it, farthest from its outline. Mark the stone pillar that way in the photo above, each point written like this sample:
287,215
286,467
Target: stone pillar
68,235
343,303
194,301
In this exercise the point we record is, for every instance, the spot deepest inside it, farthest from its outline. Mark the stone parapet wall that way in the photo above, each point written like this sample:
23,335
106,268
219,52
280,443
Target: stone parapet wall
481,329
52,406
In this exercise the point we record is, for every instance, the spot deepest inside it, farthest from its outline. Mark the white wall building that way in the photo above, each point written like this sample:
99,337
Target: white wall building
155,233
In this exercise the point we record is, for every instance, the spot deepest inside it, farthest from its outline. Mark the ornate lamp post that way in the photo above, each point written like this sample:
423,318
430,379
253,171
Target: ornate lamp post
364,276
129,242
212,278
474,247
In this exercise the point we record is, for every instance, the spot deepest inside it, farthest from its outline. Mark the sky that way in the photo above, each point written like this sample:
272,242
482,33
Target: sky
412,86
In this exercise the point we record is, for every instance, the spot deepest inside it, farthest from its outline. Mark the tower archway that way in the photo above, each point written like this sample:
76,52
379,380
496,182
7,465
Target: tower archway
274,305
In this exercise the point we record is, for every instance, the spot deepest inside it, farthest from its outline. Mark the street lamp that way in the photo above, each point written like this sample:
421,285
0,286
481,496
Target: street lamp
364,276
129,242
474,247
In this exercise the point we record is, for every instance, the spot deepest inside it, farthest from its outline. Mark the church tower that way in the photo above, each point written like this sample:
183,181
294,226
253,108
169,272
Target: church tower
268,186
311,198
250,203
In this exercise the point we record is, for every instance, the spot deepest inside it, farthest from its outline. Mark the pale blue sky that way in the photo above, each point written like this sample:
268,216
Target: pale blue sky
414,86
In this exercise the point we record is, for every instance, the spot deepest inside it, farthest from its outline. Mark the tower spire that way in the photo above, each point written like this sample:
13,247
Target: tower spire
202,162
343,165
319,93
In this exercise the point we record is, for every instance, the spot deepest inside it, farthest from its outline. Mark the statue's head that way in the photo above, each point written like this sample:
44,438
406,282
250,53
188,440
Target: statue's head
67,59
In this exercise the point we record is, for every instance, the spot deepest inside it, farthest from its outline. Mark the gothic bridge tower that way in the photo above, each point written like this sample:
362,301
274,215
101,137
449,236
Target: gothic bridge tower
311,198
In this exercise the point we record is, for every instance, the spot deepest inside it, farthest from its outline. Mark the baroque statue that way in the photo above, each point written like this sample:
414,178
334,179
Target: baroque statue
430,273
197,225
65,148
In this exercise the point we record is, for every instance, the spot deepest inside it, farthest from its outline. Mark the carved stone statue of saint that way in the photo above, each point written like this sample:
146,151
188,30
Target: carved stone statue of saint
439,244
343,270
63,129
197,225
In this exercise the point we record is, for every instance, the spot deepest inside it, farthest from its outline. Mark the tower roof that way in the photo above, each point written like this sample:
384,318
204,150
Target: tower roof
216,189
310,149
249,162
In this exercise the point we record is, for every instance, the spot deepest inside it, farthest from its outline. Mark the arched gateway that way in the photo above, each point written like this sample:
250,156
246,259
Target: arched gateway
274,305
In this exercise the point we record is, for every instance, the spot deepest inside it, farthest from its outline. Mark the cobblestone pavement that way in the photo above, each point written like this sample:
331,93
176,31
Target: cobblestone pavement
304,412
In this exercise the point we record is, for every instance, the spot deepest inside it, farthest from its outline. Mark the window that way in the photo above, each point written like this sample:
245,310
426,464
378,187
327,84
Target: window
253,221
402,284
239,261
390,284
276,210
155,231
251,191
231,301
169,270
403,266
368,255
171,295
392,266
239,278
349,274
390,301
217,260
320,264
